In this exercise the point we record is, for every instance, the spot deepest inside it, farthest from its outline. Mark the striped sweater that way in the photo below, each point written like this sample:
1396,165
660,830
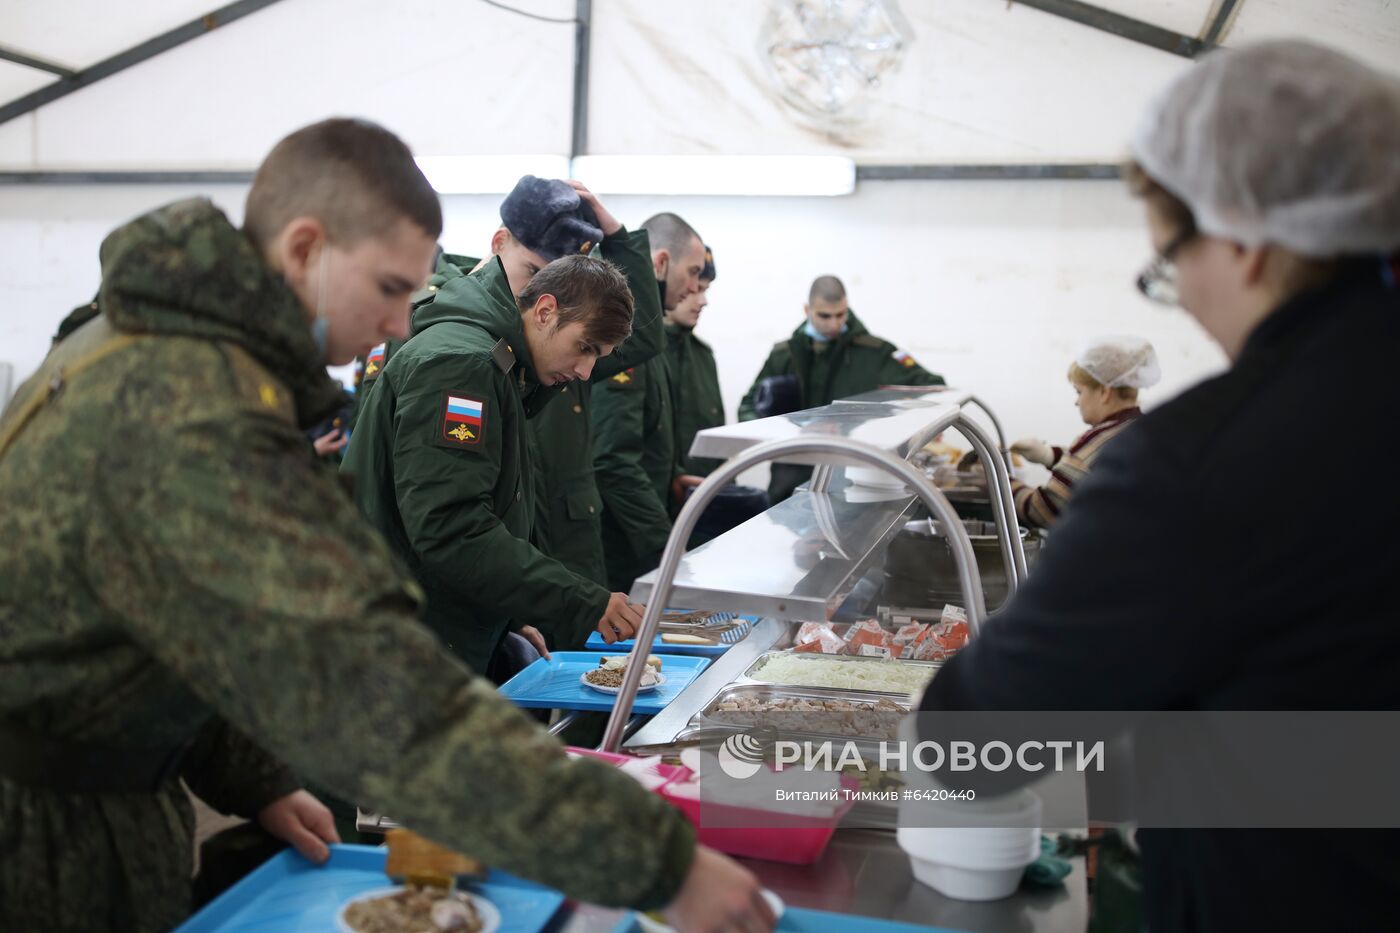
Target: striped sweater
1041,506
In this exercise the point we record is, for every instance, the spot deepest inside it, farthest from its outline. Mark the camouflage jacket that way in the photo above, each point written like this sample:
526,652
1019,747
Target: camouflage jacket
178,560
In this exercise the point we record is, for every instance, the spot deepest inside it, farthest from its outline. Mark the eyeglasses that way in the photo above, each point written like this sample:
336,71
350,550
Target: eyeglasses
1157,280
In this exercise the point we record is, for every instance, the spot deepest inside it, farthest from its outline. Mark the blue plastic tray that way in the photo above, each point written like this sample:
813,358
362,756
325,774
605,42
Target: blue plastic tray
288,894
595,643
797,920
554,683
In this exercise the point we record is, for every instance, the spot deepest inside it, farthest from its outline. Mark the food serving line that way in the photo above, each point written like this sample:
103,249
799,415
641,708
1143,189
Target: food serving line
816,556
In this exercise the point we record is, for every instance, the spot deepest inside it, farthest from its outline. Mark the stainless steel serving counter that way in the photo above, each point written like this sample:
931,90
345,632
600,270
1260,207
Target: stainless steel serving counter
727,669
865,873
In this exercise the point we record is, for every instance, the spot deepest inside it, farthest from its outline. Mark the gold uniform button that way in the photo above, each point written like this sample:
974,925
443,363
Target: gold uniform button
578,409
432,288
591,510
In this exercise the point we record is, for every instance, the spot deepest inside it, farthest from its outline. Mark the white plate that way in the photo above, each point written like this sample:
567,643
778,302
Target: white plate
648,925
583,679
490,916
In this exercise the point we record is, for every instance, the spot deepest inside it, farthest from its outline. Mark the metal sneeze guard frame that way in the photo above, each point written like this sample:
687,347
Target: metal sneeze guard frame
837,447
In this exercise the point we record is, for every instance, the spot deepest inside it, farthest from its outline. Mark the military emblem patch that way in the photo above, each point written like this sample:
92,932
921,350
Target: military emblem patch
374,362
904,359
624,377
462,419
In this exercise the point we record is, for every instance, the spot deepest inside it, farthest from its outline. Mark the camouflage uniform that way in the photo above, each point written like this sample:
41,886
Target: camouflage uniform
179,564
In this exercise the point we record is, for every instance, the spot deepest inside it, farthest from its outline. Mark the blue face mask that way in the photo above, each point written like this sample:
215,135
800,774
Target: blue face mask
811,331
320,327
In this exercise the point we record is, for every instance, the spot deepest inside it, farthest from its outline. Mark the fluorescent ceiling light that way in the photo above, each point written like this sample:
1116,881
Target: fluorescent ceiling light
488,174
732,175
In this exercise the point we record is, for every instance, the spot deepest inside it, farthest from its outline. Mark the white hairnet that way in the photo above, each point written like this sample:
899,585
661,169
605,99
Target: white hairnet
1121,361
1284,142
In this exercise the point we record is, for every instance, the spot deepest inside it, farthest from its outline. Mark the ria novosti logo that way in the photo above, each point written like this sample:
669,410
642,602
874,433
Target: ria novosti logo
741,756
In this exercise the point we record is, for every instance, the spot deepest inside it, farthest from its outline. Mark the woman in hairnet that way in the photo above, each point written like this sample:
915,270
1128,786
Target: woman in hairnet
1106,377
1192,576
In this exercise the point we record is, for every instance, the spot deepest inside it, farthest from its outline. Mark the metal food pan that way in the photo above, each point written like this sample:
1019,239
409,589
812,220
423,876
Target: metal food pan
758,663
855,724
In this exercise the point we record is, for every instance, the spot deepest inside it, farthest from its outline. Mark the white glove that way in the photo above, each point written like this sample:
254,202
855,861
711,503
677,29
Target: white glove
1036,451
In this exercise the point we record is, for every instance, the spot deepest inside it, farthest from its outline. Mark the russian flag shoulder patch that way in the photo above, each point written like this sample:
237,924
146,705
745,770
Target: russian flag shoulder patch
375,361
463,418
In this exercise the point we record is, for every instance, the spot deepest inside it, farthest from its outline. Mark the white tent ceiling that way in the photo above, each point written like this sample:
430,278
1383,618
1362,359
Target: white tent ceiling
984,81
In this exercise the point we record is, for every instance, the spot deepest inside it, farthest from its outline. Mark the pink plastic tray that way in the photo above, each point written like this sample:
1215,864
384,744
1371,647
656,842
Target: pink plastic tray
773,837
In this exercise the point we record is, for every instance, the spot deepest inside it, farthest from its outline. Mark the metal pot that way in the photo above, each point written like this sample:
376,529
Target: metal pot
919,567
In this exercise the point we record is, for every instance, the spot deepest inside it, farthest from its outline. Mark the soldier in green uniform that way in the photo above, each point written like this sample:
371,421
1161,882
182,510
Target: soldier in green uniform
698,402
634,429
442,456
542,220
831,356
569,521
186,591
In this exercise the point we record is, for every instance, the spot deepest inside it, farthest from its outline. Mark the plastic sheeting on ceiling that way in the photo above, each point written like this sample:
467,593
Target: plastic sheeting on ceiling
76,34
983,81
980,83
485,81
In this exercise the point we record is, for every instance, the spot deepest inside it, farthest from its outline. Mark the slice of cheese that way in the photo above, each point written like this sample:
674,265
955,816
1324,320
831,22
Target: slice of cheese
679,639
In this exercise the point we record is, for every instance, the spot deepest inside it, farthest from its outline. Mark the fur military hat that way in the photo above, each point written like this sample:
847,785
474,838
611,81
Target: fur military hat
549,218
708,273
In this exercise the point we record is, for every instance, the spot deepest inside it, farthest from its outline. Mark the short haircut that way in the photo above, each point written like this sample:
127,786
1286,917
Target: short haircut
1080,377
355,177
1143,185
827,288
669,232
590,290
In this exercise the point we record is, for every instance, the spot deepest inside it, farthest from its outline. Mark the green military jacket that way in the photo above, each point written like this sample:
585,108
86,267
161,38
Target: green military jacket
367,368
634,456
698,402
179,565
569,526
443,468
855,362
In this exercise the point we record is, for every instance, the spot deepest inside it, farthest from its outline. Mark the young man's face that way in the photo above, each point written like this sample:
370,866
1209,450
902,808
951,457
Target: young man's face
828,317
681,273
560,354
520,263
687,312
367,288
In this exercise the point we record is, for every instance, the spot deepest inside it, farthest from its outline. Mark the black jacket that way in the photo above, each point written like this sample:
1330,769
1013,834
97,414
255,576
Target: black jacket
1215,561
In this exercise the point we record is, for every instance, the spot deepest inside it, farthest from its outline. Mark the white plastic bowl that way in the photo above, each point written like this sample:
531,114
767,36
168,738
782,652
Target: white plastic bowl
968,884
983,849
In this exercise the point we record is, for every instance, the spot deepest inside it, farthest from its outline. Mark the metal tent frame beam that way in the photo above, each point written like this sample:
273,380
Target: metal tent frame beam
29,61
583,39
1164,40
1087,171
135,55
